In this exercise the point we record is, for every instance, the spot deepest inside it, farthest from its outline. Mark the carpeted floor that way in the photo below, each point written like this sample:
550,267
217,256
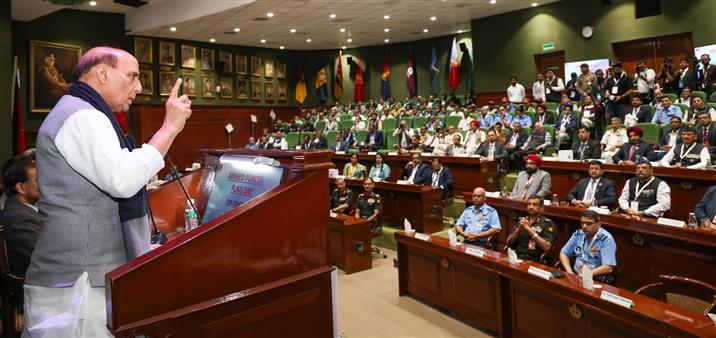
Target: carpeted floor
369,306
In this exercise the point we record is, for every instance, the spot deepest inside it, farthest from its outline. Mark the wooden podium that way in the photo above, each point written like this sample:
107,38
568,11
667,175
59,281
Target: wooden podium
260,270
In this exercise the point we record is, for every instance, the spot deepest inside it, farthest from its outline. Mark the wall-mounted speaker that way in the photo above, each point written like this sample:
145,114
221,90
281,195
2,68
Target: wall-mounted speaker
463,47
647,8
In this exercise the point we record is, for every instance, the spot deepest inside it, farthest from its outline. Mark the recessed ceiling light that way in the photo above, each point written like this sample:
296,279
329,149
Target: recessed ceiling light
343,30
263,40
269,14
387,30
237,29
173,29
425,30
493,2
344,47
308,40
386,17
459,31
349,40
93,3
293,30
386,40
332,16
212,40
534,4
280,47
433,18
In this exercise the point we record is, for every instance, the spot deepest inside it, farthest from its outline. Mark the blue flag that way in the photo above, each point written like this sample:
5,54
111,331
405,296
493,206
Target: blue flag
434,73
385,78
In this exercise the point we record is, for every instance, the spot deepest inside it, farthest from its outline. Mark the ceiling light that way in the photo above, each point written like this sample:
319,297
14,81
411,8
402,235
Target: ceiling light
269,14
386,17
237,29
425,30
349,40
493,2
212,40
387,30
293,30
308,40
433,18
263,40
459,31
386,40
280,47
534,4
343,30
173,29
93,3
332,16
344,47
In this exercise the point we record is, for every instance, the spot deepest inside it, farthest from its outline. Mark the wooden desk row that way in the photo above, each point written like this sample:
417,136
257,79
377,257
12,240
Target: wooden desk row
420,204
467,172
495,295
645,249
350,243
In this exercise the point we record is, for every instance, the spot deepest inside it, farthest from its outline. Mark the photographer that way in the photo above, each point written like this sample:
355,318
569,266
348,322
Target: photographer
666,75
644,77
404,135
617,91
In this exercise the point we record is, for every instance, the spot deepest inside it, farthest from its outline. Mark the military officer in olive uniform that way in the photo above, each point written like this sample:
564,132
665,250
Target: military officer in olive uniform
342,198
369,204
479,221
534,234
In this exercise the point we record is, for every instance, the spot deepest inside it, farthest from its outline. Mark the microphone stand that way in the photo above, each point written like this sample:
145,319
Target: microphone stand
183,188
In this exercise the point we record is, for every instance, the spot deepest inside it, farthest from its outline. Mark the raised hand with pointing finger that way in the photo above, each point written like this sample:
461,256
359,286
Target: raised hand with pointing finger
178,110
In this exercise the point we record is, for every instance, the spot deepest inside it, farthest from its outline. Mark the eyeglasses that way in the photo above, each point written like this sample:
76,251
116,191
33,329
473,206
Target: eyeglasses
586,224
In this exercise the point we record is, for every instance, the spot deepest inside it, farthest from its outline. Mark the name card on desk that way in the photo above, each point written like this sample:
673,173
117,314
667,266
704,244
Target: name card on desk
587,281
332,214
298,147
461,155
392,153
426,154
616,299
372,153
547,202
601,211
475,252
493,194
452,237
511,256
539,272
402,182
340,153
422,237
671,222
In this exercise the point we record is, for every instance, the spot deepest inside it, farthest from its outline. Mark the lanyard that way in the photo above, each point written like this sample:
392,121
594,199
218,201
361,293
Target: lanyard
436,177
681,155
638,191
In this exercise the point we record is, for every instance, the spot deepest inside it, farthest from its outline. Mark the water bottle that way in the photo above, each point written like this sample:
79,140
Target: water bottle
191,219
504,192
692,221
555,200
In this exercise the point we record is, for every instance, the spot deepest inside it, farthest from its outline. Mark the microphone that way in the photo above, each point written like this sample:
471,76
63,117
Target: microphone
158,237
183,188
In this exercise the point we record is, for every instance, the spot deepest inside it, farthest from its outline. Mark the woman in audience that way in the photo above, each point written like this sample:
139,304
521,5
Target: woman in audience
380,170
499,131
354,169
588,110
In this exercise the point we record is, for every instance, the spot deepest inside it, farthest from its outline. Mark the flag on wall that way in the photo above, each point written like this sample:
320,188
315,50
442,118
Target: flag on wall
434,73
338,85
18,131
385,78
454,79
322,85
467,60
410,75
300,84
359,94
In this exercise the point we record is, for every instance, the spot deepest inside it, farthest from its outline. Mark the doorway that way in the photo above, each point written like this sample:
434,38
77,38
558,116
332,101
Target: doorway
551,61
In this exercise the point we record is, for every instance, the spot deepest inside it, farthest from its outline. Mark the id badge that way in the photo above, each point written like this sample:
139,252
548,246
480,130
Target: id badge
615,90
532,245
547,90
634,205
571,95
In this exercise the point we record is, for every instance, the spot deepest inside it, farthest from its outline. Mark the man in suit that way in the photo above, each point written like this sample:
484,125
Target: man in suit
542,116
565,125
585,148
21,219
635,150
708,75
492,149
706,209
533,181
455,148
671,138
374,139
441,177
706,132
638,113
340,145
594,191
685,75
516,140
416,172
318,142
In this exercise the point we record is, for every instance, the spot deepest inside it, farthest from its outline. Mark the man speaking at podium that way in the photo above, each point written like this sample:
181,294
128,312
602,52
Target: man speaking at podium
92,195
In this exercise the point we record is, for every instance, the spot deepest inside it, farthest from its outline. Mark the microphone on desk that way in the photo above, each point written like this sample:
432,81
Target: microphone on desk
183,188
158,237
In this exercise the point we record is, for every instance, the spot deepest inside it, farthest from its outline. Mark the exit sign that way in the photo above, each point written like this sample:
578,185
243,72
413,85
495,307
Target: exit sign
548,46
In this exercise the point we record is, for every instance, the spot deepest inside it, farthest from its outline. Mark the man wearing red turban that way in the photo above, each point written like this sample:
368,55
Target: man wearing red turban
636,150
532,181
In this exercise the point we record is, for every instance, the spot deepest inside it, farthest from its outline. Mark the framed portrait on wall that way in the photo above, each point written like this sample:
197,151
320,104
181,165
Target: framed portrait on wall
255,66
143,50
167,53
208,87
51,66
146,78
188,56
280,70
227,87
256,90
268,91
225,62
188,84
166,82
268,68
241,64
242,89
207,59
282,96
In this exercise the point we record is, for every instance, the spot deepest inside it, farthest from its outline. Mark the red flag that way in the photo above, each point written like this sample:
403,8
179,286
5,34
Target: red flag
18,131
359,89
454,79
338,81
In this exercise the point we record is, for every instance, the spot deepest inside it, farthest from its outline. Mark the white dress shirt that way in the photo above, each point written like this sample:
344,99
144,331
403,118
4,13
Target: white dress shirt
704,157
516,93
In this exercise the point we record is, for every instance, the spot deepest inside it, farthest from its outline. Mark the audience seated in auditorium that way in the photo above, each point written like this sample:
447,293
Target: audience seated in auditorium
635,150
533,180
317,142
565,126
474,137
252,145
499,131
685,97
645,194
689,154
591,246
465,121
416,171
672,137
697,107
479,221
542,116
638,113
492,149
342,198
516,140
353,169
486,120
538,141
584,148
278,141
595,190
349,138
373,140
456,148
534,234
306,143
522,118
